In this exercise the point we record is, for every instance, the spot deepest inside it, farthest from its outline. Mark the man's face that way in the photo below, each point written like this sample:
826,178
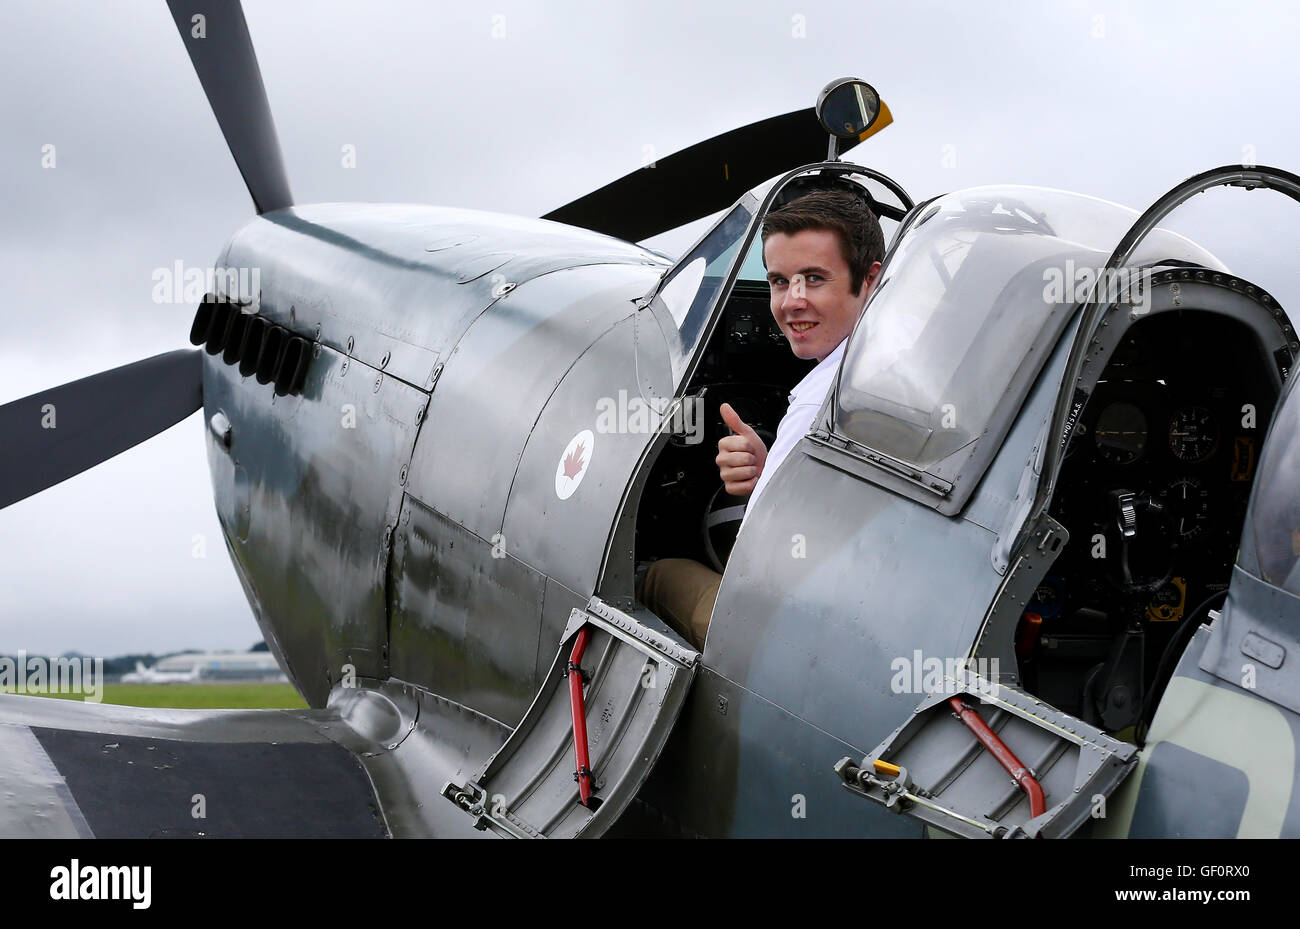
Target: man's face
812,297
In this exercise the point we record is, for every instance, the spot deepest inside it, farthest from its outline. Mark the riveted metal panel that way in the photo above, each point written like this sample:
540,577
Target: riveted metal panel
494,385
465,616
567,537
737,765
396,285
557,606
826,590
307,494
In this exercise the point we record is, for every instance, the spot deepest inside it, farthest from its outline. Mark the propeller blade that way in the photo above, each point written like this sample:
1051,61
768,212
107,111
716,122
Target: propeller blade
58,433
216,36
699,180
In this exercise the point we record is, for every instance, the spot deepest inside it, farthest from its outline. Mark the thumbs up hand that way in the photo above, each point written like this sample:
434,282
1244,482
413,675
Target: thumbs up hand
741,456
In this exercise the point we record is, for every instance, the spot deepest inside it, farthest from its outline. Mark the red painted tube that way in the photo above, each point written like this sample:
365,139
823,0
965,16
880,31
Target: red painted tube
1027,634
578,705
1005,756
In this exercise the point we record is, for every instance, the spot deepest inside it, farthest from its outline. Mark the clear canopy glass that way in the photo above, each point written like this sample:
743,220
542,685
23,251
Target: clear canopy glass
691,288
979,284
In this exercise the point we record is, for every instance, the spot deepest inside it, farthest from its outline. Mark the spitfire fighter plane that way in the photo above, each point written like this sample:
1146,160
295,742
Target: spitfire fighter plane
1033,571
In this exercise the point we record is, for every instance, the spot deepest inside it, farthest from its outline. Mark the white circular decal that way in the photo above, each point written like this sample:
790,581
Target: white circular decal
573,464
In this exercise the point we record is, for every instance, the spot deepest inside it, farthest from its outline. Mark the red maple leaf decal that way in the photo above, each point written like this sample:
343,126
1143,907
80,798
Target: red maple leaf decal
573,462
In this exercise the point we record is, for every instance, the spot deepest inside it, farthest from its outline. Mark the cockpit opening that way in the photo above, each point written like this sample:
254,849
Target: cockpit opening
747,362
1153,492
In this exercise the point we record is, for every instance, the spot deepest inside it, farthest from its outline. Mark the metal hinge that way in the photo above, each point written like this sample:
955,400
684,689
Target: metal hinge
1047,536
844,446
473,799
625,627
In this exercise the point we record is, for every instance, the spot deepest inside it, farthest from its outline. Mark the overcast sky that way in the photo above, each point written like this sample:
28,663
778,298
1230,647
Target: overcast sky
1118,100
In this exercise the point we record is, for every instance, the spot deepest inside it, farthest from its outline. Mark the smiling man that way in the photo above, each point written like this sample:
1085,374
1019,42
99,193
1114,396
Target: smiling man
822,253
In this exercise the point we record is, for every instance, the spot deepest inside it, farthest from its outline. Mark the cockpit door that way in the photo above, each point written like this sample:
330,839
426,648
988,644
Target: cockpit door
979,759
635,673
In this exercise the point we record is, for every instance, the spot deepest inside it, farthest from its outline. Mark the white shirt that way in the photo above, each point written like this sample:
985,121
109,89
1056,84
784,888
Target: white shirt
805,400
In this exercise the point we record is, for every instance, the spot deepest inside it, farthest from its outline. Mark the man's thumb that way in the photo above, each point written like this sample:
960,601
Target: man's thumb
733,420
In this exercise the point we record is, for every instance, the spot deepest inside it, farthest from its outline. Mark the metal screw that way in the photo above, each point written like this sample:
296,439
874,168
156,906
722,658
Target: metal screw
351,342
383,362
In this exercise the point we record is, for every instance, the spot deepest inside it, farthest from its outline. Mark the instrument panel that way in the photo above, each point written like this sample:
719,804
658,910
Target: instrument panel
1153,492
1160,475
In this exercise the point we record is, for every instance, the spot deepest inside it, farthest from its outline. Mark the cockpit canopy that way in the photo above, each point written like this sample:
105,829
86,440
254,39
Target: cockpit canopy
971,300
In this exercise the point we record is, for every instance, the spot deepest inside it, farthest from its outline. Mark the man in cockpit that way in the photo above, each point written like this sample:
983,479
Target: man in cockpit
822,252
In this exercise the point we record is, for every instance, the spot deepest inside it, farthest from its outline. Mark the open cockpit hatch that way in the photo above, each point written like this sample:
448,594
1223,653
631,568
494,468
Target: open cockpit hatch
601,736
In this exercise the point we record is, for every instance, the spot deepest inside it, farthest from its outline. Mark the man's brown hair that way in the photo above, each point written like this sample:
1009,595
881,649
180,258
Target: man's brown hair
861,240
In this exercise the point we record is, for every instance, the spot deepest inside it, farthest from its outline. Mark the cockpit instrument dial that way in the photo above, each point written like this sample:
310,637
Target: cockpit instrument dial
1193,434
1121,433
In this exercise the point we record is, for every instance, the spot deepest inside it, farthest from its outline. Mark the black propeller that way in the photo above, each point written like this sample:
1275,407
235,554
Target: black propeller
698,180
216,36
56,434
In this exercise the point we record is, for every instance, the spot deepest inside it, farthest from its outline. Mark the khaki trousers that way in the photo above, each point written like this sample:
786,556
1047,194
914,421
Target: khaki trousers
681,592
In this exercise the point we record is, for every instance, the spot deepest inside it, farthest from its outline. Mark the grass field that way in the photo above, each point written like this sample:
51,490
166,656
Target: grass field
200,696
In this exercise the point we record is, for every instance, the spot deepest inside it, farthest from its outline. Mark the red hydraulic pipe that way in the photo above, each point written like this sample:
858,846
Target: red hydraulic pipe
583,774
1027,634
1005,756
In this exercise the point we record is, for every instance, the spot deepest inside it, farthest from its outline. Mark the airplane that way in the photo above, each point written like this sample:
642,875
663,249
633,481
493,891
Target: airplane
208,666
157,675
970,603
